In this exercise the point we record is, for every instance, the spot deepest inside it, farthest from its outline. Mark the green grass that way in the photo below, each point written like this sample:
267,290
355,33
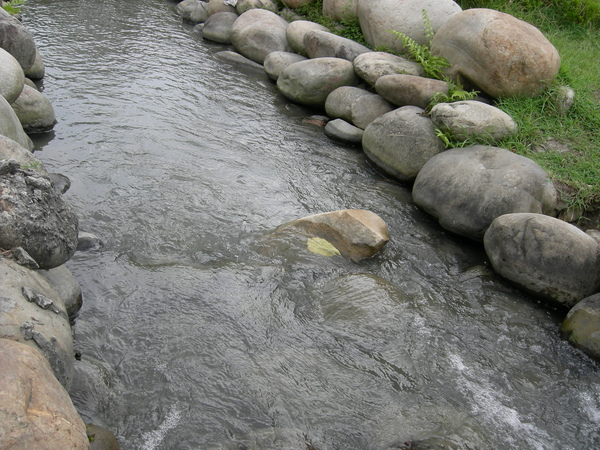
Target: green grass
570,141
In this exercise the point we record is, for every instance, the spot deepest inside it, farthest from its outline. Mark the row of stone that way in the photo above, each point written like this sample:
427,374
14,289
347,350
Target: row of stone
485,193
40,297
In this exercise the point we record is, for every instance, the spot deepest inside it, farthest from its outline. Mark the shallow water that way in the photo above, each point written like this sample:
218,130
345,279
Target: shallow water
221,334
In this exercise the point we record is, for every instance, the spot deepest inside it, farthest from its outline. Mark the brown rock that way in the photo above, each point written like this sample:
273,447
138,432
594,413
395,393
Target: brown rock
35,410
498,53
356,233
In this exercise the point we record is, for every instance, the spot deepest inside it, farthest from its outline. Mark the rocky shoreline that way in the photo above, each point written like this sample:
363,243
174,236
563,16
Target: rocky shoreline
375,100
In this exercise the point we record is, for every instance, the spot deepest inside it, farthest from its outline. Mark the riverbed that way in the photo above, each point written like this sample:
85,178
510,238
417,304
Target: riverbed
221,333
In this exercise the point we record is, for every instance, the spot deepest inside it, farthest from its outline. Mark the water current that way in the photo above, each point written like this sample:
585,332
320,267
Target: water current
221,335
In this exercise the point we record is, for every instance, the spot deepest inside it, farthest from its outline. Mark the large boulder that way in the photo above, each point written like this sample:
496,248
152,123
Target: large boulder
11,150
17,40
11,127
544,256
356,106
319,44
356,233
244,5
378,18
296,31
192,11
310,82
373,65
37,218
218,27
470,118
11,75
401,142
340,10
497,53
217,6
35,411
34,111
467,188
258,32
582,326
32,313
276,62
402,89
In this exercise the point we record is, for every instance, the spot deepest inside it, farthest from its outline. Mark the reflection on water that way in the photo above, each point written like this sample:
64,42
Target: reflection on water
220,334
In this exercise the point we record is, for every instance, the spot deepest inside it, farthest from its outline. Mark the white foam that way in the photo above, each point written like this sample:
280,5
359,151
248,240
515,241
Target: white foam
153,439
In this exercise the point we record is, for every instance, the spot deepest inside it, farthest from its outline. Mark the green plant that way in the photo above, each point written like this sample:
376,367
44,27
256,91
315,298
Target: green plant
433,65
13,7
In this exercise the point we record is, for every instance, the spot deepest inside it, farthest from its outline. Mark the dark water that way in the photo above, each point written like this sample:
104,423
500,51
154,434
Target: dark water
220,333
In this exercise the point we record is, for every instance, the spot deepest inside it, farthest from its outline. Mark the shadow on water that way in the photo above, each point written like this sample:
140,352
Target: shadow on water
207,331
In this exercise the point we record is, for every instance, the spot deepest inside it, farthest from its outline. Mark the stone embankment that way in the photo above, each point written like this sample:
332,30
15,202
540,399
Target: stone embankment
374,99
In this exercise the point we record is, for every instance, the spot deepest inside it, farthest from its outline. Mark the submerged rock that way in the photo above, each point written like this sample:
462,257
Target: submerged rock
582,326
357,234
36,411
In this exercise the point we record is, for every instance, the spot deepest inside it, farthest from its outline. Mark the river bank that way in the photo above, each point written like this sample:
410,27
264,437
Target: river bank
173,414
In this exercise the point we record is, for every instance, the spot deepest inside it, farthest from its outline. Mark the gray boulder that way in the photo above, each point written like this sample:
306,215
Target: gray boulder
192,11
356,106
378,17
467,188
356,233
37,218
217,6
470,118
32,313
310,82
401,142
36,411
403,90
38,70
218,27
66,286
244,5
544,256
17,40
373,65
239,61
499,54
296,31
276,62
11,127
34,111
11,75
340,10
341,131
258,32
582,326
319,44
11,150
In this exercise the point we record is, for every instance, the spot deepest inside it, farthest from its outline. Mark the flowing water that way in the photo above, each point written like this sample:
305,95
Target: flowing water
222,335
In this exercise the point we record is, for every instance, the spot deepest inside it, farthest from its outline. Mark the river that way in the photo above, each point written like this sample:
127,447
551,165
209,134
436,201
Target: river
222,335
